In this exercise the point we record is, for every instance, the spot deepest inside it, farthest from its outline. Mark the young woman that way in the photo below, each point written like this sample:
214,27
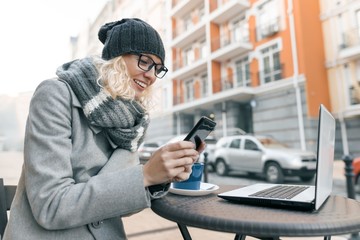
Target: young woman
81,171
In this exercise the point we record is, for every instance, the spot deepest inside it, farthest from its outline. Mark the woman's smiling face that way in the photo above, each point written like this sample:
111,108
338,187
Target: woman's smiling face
140,79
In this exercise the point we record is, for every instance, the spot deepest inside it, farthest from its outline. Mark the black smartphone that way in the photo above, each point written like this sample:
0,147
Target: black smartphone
200,131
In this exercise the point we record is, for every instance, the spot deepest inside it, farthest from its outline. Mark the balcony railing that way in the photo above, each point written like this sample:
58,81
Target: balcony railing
179,64
236,80
244,79
201,91
233,36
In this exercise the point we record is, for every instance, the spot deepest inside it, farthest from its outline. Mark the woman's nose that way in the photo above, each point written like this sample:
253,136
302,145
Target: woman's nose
150,74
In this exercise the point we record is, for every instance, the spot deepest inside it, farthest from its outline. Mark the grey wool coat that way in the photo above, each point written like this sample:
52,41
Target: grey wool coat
74,184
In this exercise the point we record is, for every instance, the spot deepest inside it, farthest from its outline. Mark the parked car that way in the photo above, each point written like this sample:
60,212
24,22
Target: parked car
149,146
259,154
356,169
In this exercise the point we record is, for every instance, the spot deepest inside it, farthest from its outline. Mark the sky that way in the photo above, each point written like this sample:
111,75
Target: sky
35,37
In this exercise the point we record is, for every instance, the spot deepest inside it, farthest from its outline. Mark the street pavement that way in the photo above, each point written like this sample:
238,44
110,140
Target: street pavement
147,225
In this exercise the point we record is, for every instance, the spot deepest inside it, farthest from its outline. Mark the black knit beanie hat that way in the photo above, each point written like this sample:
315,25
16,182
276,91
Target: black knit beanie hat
130,35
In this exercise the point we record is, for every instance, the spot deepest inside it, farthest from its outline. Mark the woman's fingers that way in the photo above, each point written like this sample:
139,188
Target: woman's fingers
173,160
171,147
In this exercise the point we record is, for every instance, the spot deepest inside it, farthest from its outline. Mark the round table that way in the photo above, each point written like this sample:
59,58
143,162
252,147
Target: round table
338,215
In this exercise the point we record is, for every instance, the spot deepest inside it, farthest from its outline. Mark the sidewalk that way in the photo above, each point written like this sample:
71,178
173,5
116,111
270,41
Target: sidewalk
146,224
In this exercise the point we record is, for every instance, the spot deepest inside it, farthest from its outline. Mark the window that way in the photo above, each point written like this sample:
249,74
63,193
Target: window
225,33
243,73
204,85
202,13
343,41
354,84
358,71
189,90
358,25
189,56
250,145
235,144
187,22
240,29
203,49
271,64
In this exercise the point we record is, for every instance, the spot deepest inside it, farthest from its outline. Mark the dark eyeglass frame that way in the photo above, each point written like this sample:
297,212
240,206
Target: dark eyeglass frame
159,72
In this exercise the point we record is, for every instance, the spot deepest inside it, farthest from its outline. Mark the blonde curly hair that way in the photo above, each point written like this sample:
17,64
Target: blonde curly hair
114,77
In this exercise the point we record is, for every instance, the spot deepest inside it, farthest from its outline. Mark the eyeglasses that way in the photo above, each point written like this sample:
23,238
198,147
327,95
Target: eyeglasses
145,63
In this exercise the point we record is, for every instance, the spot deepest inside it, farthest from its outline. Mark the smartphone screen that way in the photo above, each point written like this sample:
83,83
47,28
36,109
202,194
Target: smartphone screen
200,131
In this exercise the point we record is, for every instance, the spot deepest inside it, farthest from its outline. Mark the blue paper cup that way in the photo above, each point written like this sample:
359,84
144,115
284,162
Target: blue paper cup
193,183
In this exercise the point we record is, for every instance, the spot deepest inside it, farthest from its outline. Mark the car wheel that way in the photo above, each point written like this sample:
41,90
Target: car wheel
274,173
221,168
306,178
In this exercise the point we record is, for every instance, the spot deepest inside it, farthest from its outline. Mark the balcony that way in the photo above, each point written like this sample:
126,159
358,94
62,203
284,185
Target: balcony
184,6
240,94
237,80
228,10
191,35
350,45
189,69
234,44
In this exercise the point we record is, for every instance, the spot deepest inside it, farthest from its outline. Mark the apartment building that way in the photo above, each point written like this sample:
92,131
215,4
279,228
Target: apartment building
259,66
341,31
254,65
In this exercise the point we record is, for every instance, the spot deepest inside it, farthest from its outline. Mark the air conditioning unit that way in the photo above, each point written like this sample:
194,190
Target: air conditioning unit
270,30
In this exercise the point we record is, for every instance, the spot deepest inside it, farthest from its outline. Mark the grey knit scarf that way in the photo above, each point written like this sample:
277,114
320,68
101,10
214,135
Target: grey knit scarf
123,121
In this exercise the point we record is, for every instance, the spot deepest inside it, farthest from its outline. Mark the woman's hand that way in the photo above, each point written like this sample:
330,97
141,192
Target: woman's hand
174,160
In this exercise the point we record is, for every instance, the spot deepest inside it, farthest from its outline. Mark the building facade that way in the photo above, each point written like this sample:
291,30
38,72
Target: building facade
256,66
341,28
259,66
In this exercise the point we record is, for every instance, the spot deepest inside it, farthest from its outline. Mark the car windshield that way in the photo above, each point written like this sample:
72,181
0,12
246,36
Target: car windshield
271,143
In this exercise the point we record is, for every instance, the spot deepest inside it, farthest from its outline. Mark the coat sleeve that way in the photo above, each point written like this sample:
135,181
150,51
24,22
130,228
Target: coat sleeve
56,201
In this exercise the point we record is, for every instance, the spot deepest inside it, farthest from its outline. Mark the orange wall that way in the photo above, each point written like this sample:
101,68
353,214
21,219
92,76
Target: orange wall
286,56
215,36
175,95
311,54
216,76
254,67
197,90
173,23
213,5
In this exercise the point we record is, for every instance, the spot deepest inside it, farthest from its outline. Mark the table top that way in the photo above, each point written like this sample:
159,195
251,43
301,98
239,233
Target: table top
338,215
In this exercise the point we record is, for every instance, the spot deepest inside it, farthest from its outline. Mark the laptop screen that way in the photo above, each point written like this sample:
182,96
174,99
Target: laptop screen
325,156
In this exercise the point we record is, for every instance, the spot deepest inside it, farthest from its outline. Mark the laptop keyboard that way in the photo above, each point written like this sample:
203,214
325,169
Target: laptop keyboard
280,192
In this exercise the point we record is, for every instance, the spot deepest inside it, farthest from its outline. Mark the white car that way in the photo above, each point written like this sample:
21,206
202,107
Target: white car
257,154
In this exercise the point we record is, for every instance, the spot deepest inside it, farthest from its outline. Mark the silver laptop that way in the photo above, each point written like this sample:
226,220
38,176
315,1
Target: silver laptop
297,196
